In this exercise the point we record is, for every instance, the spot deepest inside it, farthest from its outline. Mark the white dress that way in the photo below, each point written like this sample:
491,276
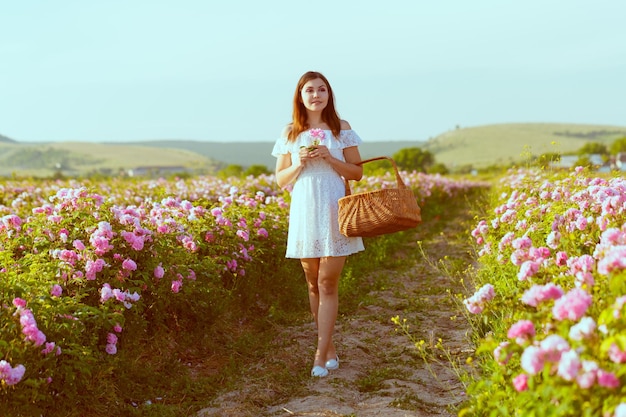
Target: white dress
313,219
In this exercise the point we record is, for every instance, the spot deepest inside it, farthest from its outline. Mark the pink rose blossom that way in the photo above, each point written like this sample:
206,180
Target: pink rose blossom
159,272
532,360
523,242
572,305
56,290
176,285
243,234
553,239
520,382
553,346
19,302
500,354
129,265
607,379
569,365
583,329
616,354
528,269
50,347
189,244
522,331
561,258
519,256
93,267
614,260
10,375
540,293
506,240
587,376
105,293
476,303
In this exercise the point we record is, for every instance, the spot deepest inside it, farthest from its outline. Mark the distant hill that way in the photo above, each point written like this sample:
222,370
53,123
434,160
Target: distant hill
4,139
80,158
259,153
513,142
476,146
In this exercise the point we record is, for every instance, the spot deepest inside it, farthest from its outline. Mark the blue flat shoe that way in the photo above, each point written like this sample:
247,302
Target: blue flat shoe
332,364
319,371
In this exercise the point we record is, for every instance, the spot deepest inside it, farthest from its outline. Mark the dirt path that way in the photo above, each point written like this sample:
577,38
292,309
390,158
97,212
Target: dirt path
381,371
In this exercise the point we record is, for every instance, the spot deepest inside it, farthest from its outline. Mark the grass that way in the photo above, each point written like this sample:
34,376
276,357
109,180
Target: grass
377,379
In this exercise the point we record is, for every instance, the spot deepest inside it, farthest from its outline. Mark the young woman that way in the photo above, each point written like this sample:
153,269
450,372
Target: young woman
315,152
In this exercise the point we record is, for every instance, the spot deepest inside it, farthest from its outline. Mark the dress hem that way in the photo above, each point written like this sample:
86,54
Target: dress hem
322,256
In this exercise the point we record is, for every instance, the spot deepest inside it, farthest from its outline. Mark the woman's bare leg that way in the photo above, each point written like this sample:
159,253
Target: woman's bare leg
323,282
311,272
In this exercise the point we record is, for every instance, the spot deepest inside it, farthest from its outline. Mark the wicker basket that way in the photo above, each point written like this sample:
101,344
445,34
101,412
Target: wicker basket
374,213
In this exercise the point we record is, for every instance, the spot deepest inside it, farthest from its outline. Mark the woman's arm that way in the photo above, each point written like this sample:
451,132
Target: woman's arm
285,171
348,169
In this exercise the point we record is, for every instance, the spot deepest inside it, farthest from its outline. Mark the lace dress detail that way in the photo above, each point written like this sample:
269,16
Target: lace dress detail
313,219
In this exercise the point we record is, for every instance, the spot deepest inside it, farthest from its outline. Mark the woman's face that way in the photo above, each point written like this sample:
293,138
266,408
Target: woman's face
314,95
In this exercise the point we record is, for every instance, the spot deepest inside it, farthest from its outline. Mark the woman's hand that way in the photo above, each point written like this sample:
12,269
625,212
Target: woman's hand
319,151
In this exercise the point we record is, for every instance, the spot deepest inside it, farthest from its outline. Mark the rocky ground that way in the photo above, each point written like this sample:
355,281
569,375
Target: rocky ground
382,371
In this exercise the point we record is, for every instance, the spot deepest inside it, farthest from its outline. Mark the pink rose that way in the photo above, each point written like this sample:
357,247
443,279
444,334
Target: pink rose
520,382
159,272
532,360
616,354
176,286
607,379
572,305
56,290
569,365
129,264
19,302
522,331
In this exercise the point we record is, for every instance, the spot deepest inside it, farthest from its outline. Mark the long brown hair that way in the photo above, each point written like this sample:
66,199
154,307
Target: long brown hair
299,115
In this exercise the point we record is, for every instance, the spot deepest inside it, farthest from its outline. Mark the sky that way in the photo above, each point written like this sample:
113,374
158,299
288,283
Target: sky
226,70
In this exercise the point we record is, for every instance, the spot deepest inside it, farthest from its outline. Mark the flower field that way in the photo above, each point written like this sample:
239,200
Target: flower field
550,301
90,271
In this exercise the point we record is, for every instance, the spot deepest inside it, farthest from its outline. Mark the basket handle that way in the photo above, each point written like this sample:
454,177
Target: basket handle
378,158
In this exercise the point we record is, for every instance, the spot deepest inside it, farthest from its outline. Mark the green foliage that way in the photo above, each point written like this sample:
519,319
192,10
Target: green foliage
584,161
414,159
619,145
257,170
593,147
438,168
547,159
232,170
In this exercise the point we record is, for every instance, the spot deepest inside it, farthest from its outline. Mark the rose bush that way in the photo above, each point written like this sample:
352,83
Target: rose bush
89,269
552,338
